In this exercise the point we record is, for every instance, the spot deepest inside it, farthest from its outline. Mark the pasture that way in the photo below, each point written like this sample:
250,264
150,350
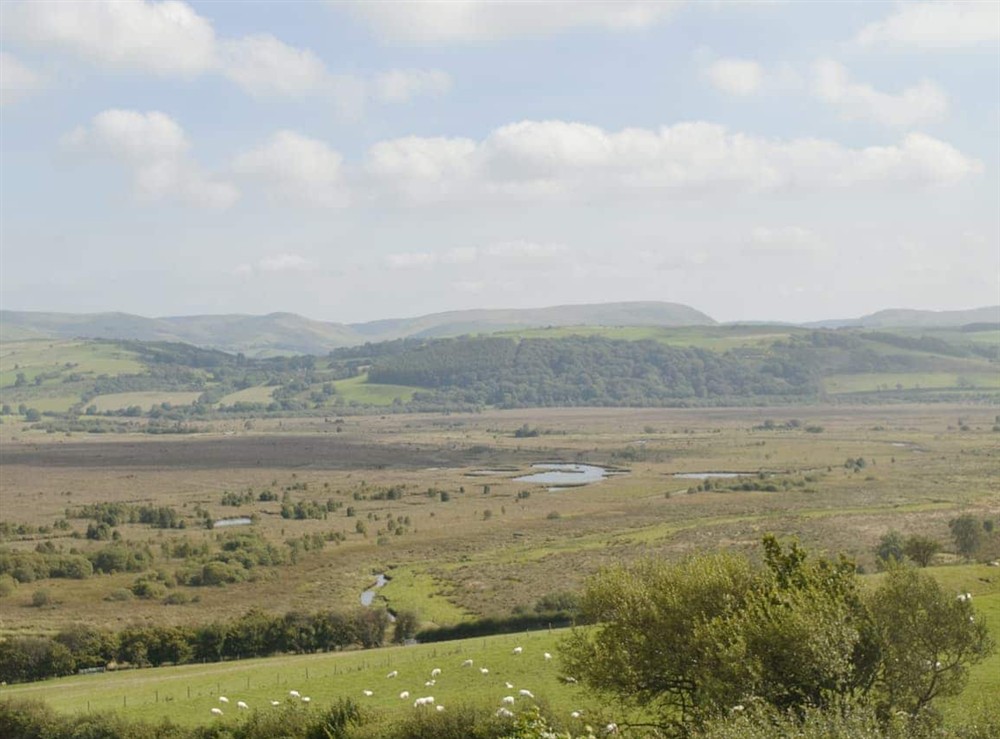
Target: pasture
359,390
459,536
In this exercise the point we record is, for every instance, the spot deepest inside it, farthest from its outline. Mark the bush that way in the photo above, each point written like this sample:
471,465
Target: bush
41,598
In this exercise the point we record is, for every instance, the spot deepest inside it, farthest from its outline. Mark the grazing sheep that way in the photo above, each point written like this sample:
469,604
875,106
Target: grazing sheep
547,656
429,683
223,699
575,714
435,672
525,693
510,686
241,704
425,701
484,671
467,663
611,728
294,694
439,708
517,650
216,711
394,673
569,680
306,699
508,700
367,693
404,695
504,713
275,703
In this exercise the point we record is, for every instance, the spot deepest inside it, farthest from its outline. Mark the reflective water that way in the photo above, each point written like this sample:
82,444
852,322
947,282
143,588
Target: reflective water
561,474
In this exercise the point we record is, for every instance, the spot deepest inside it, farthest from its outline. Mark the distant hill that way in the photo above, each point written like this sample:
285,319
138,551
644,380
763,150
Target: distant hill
287,333
904,318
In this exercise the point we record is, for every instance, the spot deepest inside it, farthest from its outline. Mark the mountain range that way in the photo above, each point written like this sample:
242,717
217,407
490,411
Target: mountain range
288,333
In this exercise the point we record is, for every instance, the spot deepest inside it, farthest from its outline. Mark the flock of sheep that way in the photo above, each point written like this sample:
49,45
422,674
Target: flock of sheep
426,701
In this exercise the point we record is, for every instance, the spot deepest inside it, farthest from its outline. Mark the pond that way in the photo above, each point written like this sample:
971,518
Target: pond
239,521
564,475
368,596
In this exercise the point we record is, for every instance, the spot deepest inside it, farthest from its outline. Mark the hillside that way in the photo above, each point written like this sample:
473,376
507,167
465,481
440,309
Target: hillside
287,333
904,318
93,383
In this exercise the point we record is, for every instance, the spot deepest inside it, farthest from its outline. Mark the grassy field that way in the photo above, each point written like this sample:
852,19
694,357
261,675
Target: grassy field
359,390
861,383
471,544
186,694
145,400
61,358
259,394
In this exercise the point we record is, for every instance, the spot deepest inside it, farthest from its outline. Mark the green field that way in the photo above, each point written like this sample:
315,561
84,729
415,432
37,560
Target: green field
714,338
44,356
186,694
145,400
410,590
872,382
359,390
259,394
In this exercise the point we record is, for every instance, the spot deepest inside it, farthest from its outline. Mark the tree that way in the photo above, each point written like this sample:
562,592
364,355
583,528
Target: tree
889,548
967,533
921,549
928,639
689,641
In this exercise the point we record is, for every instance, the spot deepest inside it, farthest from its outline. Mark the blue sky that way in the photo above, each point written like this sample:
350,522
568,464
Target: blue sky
352,161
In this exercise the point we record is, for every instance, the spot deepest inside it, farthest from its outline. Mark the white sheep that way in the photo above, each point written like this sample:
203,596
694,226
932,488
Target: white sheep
427,700
242,704
438,708
306,699
429,683
467,663
223,699
508,700
517,650
404,695
547,656
504,713
575,714
435,672
484,671
294,694
275,703
394,673
216,711
611,728
525,693
367,693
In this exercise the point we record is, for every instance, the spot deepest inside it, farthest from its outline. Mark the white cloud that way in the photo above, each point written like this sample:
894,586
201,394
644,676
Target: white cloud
154,148
167,38
16,80
920,103
402,85
409,260
526,253
785,240
283,263
735,76
466,21
565,160
264,66
296,169
936,25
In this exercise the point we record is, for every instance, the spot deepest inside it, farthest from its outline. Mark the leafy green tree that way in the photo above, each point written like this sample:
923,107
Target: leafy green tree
921,549
928,640
967,533
890,548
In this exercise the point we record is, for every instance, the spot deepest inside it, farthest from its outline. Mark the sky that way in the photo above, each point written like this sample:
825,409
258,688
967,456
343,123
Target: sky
351,161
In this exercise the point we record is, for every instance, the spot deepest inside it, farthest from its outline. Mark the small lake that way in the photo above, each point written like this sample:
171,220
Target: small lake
564,475
368,596
240,521
707,475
